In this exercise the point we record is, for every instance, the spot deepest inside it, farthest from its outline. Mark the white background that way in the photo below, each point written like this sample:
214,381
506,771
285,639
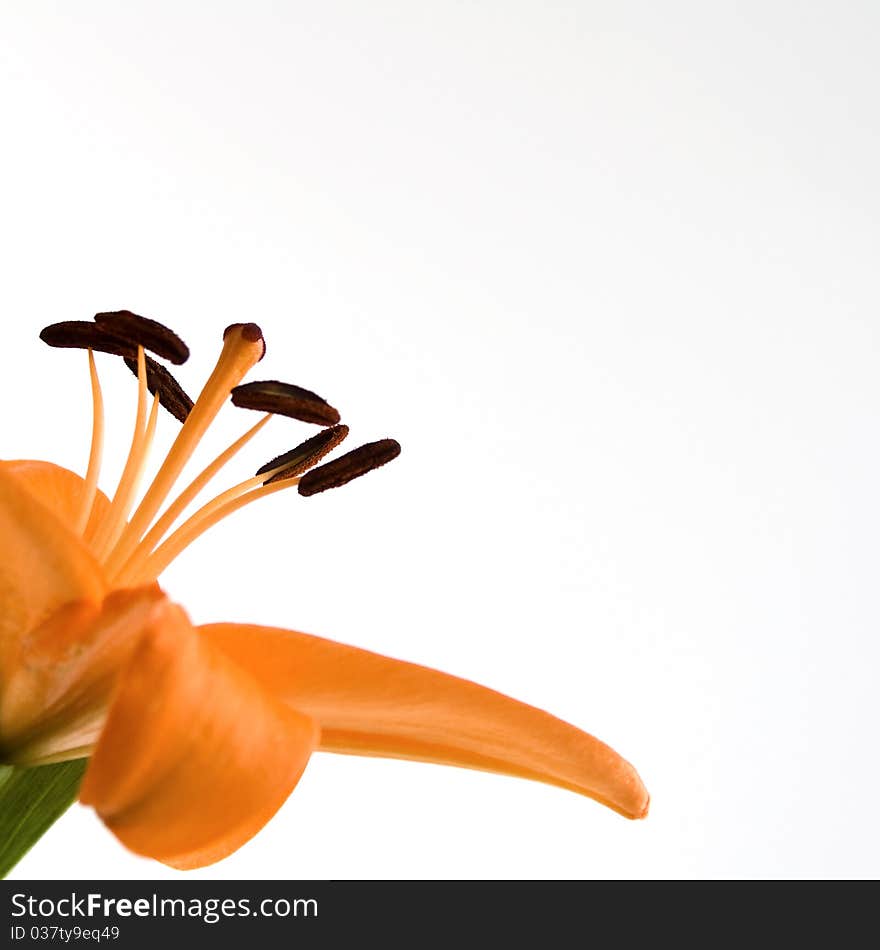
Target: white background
608,271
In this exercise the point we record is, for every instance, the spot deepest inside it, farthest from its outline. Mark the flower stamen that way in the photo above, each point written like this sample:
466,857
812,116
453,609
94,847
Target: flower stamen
137,551
148,560
243,347
83,335
347,467
285,399
304,456
145,567
141,442
172,512
162,384
153,336
96,451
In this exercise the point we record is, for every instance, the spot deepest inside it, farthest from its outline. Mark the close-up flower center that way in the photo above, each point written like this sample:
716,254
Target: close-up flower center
134,541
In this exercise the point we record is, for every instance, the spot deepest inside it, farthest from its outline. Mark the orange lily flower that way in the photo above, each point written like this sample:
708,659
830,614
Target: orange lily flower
197,735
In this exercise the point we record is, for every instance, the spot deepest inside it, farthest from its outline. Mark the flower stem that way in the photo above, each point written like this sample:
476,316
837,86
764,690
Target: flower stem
31,801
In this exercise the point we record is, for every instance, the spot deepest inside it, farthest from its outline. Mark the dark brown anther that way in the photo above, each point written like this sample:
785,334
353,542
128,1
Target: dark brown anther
171,395
85,335
305,455
151,335
285,399
351,465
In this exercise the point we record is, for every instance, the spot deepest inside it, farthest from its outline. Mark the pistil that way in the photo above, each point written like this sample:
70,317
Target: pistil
243,347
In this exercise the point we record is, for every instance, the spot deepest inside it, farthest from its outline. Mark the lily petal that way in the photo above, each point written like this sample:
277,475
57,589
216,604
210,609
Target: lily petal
59,489
55,699
367,704
195,756
43,565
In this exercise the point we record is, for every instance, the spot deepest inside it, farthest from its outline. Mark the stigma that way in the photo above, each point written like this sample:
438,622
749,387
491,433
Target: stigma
143,529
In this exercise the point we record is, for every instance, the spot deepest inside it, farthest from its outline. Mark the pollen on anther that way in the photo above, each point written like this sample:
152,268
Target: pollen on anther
152,335
171,394
285,399
352,465
305,455
85,335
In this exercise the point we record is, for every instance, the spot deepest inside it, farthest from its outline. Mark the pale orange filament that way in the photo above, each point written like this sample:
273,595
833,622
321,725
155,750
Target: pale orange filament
132,478
95,452
173,511
114,520
147,569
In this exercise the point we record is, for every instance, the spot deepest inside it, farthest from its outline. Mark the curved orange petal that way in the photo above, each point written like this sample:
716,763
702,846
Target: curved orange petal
195,756
367,704
43,565
59,489
54,702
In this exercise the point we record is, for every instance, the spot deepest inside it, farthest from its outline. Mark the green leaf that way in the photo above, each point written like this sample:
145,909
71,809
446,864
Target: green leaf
31,801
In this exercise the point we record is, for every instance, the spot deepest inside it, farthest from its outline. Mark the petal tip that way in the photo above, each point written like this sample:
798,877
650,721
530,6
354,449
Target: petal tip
642,812
635,801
